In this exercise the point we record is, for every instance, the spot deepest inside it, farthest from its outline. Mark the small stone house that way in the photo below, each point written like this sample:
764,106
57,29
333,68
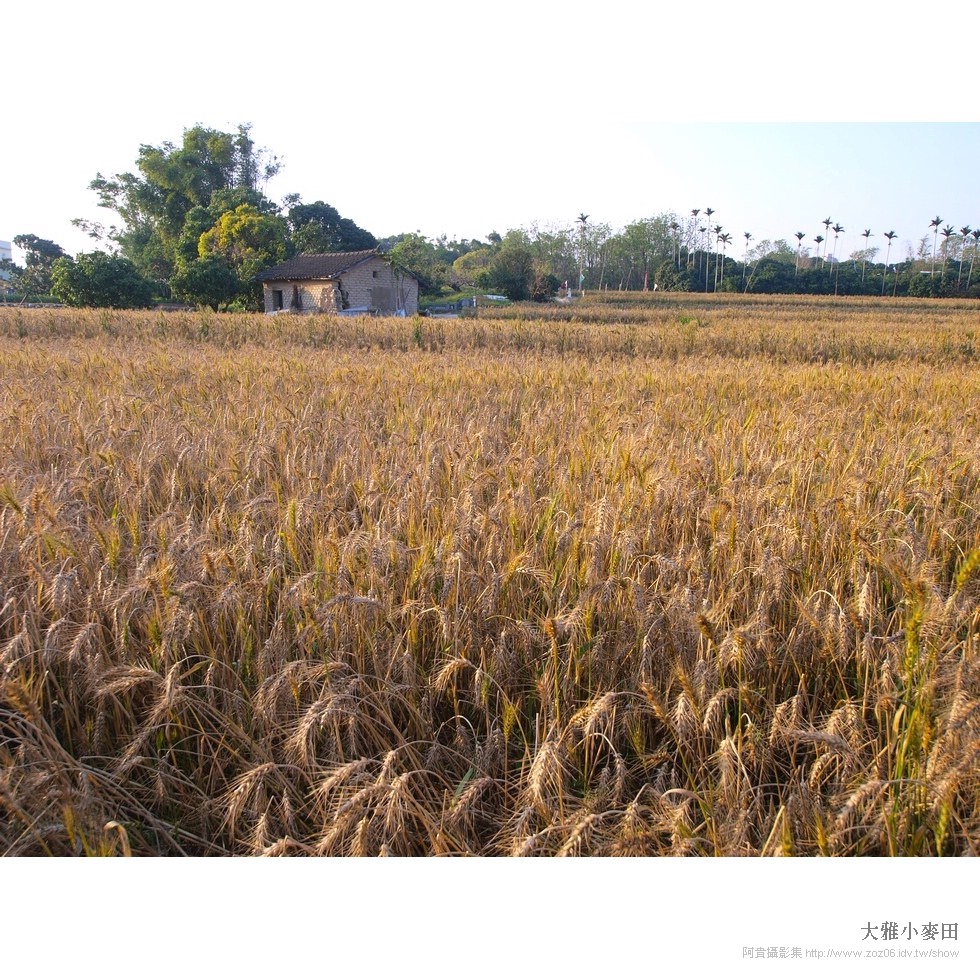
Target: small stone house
340,282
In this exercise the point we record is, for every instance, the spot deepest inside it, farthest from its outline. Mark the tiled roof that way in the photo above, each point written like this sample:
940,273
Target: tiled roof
327,265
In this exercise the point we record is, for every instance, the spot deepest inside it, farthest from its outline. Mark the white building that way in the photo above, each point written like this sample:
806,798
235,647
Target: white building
5,253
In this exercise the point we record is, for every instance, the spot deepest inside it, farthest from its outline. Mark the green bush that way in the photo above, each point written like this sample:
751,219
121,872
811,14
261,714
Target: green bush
99,279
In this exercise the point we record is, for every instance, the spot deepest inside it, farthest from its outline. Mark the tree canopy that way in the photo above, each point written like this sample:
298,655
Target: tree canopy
318,227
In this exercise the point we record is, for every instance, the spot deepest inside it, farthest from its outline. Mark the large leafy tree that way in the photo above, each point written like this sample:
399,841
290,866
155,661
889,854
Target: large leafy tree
471,266
171,181
512,269
319,227
246,239
40,255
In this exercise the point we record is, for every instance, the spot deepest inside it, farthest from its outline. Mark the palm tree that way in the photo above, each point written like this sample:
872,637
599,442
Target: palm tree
964,231
818,239
582,222
935,223
837,230
975,235
800,235
717,230
708,212
748,235
946,232
826,223
724,238
866,234
676,228
890,235
694,224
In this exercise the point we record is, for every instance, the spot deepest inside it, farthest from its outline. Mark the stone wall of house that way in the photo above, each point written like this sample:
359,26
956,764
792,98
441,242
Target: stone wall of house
312,296
373,284
376,285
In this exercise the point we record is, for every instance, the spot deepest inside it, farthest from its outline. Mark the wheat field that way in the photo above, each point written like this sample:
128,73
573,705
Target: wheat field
635,576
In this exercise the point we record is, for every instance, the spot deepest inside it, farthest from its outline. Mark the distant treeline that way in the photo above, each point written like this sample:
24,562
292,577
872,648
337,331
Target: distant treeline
195,226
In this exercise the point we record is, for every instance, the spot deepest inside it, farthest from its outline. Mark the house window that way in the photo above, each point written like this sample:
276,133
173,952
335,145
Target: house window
374,273
277,299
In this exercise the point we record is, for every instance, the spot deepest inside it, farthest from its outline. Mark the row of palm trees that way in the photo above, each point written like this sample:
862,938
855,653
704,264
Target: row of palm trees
947,232
723,239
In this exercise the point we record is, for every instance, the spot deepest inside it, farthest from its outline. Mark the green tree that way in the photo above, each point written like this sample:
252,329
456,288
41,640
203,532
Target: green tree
207,282
770,275
561,251
198,221
471,266
639,249
40,255
170,181
512,269
596,244
100,279
419,256
247,240
319,227
544,285
779,249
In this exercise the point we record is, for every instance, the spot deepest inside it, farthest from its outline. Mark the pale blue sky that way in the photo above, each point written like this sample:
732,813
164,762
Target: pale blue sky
462,119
